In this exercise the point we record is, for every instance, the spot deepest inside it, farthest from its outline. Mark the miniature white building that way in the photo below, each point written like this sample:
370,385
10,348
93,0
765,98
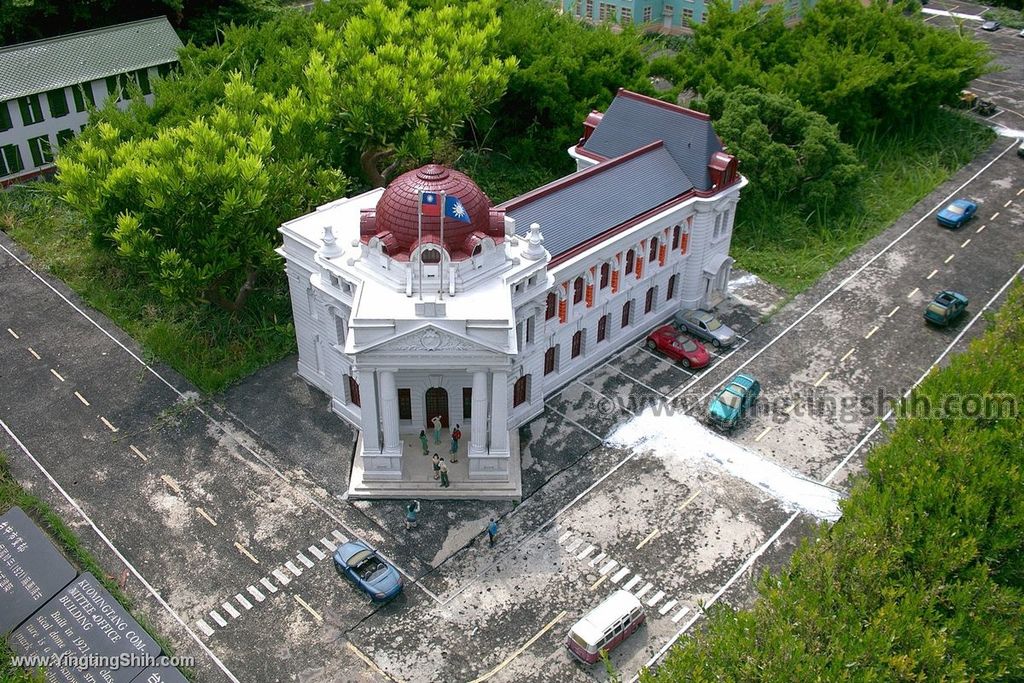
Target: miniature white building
47,87
398,324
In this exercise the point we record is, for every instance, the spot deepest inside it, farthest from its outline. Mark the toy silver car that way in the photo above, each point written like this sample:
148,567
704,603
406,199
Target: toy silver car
706,326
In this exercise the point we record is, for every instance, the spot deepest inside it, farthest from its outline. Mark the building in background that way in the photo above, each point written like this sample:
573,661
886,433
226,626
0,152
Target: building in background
473,314
670,16
47,87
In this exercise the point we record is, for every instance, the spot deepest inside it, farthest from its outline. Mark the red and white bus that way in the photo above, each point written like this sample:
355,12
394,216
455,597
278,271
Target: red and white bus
605,626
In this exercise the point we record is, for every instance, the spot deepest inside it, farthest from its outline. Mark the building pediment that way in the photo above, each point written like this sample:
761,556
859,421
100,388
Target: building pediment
431,340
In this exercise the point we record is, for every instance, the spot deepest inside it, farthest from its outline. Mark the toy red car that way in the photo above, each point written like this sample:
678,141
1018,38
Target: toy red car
677,346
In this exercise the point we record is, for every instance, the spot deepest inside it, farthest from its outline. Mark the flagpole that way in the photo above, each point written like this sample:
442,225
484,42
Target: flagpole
440,290
419,239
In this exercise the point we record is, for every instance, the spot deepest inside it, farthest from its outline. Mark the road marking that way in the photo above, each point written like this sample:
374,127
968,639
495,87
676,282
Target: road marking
573,422
33,352
171,484
643,591
567,534
522,649
893,311
1008,202
255,592
994,216
949,258
915,291
137,452
316,552
680,614
218,618
309,609
650,537
655,598
366,660
292,568
242,549
204,627
593,586
107,422
1019,191
305,560
612,564
342,538
966,242
873,330
56,374
268,585
793,405
979,230
932,274
281,578
81,398
634,379
575,544
821,379
763,432
845,356
586,551
597,558
327,544
240,599
689,500
205,516
230,609
13,333
619,574
667,606
632,582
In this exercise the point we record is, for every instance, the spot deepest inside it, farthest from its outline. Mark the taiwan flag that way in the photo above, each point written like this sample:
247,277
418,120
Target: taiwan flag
454,209
429,205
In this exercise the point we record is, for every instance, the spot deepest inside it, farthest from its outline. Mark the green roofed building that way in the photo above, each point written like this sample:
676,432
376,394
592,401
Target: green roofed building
47,87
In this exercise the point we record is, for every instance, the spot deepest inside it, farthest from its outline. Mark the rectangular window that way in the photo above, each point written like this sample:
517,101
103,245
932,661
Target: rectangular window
602,328
648,14
519,391
82,94
627,15
625,313
404,404
31,110
353,390
58,101
529,329
684,242
649,301
142,78
671,288
590,9
10,160
64,137
39,148
467,403
552,306
577,344
605,11
5,117
687,14
549,360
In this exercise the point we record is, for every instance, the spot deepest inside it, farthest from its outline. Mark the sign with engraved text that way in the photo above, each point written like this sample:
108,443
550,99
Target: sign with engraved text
31,570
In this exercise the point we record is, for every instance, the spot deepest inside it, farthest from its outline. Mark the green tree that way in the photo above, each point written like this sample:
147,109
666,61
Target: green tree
194,209
787,151
403,82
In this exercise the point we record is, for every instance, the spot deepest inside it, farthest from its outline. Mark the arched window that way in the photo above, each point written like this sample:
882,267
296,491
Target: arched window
519,390
577,290
605,274
550,358
602,328
477,250
630,257
675,237
653,256
430,256
626,308
649,301
577,344
552,306
671,287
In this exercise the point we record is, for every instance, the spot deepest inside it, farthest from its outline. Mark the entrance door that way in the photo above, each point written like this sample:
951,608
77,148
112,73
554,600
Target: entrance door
437,404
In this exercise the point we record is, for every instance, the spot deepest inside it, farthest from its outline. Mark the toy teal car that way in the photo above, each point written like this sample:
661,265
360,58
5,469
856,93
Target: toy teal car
945,308
732,402
957,213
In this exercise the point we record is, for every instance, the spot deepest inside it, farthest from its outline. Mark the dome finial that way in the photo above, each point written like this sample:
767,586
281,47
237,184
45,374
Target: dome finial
535,240
331,248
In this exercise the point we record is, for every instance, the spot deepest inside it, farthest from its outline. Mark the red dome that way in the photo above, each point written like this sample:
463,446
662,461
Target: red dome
394,221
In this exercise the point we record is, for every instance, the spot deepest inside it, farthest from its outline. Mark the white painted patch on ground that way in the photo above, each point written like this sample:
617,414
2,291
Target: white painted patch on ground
743,281
665,436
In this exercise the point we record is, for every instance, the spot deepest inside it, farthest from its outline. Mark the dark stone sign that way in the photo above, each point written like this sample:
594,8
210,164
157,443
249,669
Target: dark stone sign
84,635
31,570
160,674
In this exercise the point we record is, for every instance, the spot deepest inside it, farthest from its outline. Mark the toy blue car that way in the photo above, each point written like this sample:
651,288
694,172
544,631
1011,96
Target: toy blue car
945,308
361,565
732,402
957,213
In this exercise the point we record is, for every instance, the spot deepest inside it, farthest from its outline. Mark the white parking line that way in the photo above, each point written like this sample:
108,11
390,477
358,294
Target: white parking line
612,564
137,452
81,398
965,242
632,582
240,599
913,292
57,375
994,216
13,333
230,609
689,500
316,615
571,421
109,426
204,627
1008,202
847,355
763,432
979,230
667,606
821,379
268,585
893,312
255,592
650,537
619,574
33,352
218,618
634,379
932,274
949,258
872,332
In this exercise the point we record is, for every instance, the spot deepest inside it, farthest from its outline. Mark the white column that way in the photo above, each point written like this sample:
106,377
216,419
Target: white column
368,412
499,413
478,423
389,413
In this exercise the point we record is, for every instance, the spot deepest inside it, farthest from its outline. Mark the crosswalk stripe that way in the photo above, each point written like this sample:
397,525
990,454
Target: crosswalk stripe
586,551
204,627
327,544
218,618
667,606
643,591
255,592
655,598
612,564
567,534
597,558
292,568
618,576
281,578
230,609
680,614
575,544
342,538
268,585
240,599
316,552
632,582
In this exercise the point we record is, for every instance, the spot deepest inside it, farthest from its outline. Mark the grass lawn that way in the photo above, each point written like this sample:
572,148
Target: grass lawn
13,495
209,347
902,168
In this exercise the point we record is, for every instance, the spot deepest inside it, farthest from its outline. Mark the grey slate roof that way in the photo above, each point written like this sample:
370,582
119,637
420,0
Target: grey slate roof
631,122
42,65
597,199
